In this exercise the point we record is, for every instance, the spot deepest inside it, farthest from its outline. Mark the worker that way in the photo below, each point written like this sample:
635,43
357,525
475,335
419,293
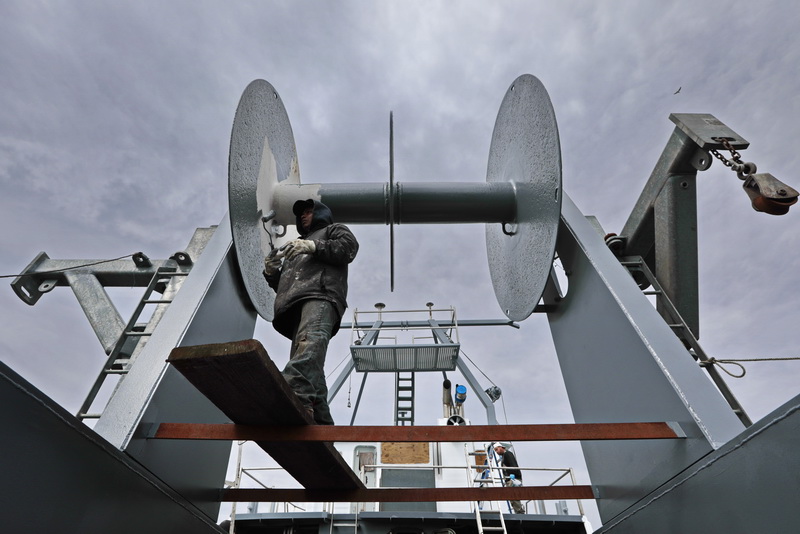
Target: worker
511,477
309,276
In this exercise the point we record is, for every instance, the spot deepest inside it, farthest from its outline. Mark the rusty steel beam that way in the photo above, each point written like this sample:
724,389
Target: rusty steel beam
315,433
522,493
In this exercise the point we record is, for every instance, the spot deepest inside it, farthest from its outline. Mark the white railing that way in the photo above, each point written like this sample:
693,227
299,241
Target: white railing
287,507
443,315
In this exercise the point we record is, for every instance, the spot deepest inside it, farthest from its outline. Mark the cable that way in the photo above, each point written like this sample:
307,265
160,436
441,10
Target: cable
505,415
735,361
338,365
39,273
476,367
502,398
756,359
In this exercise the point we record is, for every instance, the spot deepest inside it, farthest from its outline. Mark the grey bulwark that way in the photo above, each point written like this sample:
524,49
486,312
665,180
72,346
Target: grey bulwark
242,381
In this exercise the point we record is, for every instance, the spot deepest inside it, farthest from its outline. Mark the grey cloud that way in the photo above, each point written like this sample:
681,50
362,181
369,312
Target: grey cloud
115,124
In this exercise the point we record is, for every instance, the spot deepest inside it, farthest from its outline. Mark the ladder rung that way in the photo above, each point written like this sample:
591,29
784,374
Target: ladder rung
485,528
170,274
344,524
117,367
654,292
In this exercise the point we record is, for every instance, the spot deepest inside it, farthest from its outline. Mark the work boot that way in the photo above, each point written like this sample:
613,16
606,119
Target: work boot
322,413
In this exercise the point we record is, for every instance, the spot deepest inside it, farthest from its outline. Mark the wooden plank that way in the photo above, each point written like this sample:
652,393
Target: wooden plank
242,381
521,493
552,432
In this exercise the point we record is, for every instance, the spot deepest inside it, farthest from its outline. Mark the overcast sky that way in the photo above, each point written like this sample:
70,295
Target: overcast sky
115,122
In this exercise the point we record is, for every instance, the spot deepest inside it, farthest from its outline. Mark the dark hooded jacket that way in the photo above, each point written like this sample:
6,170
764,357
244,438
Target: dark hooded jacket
321,275
509,460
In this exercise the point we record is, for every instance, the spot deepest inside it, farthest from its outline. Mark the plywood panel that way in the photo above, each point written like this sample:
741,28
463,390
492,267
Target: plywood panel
405,453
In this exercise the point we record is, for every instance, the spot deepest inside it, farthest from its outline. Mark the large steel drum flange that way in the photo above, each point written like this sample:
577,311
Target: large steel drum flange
262,155
526,152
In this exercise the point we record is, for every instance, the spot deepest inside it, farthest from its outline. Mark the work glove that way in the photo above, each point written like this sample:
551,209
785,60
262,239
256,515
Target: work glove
272,265
300,246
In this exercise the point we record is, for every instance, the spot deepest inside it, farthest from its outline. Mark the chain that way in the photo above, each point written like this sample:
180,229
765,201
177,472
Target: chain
743,170
349,389
735,156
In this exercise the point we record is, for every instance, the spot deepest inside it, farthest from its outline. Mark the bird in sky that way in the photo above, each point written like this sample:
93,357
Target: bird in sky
678,91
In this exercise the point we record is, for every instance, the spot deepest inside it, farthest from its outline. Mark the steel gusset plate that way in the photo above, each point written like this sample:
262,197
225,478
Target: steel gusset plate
525,151
262,155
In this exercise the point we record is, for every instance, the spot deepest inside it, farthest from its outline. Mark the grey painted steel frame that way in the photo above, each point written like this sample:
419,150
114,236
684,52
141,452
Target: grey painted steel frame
491,417
441,336
676,247
60,476
88,282
748,485
211,307
622,363
662,227
96,304
369,339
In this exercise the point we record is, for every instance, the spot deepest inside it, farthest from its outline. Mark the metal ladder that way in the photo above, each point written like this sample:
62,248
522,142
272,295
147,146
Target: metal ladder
684,333
354,524
118,361
404,399
490,514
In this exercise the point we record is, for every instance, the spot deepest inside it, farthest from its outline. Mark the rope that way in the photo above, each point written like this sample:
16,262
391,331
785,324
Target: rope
719,363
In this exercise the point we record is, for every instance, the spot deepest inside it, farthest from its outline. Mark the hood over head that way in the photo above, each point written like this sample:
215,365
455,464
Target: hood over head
321,218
